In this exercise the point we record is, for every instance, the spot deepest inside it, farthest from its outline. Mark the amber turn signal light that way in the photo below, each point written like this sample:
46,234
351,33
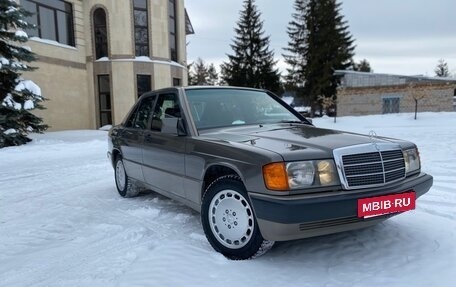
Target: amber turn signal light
275,176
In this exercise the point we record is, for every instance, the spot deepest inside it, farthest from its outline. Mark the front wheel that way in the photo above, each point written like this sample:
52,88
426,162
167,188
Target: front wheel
229,222
124,185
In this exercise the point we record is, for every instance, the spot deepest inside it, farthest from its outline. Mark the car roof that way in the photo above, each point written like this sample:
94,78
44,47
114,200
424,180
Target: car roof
189,88
220,87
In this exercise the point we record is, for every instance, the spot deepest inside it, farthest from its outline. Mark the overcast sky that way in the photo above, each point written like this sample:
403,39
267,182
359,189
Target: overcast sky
396,36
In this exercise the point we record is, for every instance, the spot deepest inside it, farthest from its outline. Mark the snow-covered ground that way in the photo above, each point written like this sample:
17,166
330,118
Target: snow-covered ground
63,224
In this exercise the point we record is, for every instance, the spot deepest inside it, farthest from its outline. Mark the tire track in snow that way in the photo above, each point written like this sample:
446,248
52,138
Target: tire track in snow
90,250
60,261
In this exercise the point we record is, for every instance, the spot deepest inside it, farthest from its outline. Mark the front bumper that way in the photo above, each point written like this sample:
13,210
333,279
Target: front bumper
299,216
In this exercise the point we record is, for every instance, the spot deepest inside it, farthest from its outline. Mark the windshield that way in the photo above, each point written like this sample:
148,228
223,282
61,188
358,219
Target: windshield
212,108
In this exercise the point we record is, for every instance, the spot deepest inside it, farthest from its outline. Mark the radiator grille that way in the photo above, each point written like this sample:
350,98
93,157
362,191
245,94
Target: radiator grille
373,168
381,164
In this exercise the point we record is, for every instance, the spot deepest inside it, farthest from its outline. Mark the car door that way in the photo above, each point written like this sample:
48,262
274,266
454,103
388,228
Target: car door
133,136
163,154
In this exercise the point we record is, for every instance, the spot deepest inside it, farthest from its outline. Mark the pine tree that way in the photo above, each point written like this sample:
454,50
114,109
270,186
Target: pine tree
252,63
325,46
17,96
442,69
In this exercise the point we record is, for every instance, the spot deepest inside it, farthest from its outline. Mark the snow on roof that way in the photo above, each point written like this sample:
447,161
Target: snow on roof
141,59
417,77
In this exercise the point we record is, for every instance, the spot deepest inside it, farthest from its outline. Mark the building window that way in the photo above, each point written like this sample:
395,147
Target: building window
143,84
172,30
188,25
141,28
391,105
104,97
101,33
53,18
177,82
454,100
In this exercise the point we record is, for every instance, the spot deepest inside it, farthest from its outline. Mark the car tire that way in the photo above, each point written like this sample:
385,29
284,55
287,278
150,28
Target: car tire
124,184
229,221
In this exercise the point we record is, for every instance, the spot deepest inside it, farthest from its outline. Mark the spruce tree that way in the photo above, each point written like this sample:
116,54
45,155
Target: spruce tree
190,78
212,79
17,96
442,69
297,46
326,46
252,63
201,74
362,66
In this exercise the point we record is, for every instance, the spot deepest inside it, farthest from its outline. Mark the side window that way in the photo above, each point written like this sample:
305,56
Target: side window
144,113
131,119
167,106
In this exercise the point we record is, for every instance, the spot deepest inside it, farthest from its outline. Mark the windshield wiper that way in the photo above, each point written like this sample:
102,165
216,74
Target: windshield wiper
305,122
291,122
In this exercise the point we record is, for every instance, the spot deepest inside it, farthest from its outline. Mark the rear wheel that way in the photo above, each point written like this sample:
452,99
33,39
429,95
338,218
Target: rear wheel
229,221
124,184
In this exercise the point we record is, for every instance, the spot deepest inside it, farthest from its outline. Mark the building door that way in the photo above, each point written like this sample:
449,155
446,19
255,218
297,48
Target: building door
104,100
391,105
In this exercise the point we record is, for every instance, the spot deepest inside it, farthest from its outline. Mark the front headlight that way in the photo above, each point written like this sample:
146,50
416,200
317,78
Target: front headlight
300,174
412,160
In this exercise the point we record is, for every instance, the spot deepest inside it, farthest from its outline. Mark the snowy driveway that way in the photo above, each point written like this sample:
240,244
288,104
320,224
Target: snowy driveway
63,224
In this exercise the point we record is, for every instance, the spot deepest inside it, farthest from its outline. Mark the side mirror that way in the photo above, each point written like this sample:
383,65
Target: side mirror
173,126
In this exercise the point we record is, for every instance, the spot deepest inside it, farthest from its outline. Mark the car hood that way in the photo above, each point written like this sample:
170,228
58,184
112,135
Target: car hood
293,142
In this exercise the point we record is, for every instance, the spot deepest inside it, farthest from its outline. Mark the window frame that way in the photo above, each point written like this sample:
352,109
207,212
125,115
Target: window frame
139,27
177,82
173,51
67,10
104,45
138,76
108,96
391,105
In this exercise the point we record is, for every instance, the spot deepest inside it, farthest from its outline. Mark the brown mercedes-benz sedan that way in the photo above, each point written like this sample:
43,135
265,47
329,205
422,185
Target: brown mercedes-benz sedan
257,170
